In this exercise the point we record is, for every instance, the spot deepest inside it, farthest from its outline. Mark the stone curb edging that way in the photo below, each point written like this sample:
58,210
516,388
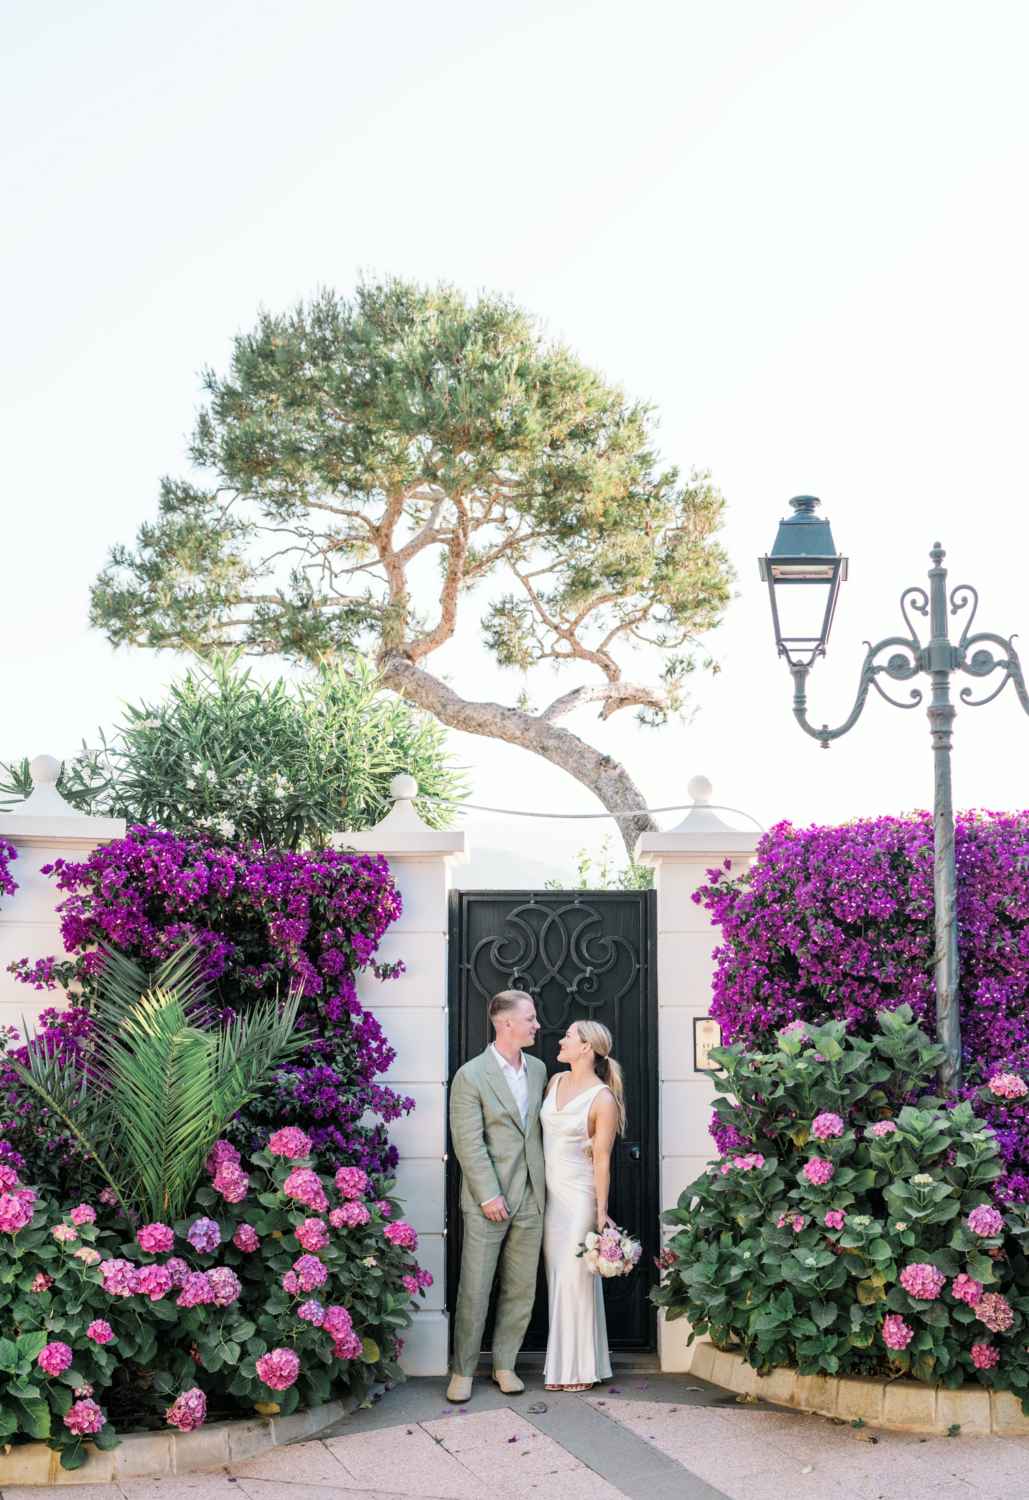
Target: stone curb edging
152,1455
899,1405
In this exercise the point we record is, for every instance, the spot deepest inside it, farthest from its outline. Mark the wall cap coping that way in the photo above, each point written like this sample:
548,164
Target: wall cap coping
653,848
68,831
897,1405
152,1455
450,845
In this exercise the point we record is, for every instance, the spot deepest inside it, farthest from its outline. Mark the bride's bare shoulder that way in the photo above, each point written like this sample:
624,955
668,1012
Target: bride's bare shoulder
552,1085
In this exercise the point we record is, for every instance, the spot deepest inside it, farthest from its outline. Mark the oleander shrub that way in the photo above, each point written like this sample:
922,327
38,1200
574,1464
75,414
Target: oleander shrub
837,923
851,1225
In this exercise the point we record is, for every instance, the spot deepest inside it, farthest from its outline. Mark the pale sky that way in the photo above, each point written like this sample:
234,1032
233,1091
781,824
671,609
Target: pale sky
799,228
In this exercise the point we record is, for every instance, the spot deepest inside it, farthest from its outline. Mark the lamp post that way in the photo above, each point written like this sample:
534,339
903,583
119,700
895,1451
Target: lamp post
804,572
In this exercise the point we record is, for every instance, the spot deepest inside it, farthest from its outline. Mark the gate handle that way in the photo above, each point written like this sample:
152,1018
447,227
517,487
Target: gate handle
634,1153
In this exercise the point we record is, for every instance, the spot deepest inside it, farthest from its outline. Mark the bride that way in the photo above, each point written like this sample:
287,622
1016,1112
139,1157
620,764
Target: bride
582,1112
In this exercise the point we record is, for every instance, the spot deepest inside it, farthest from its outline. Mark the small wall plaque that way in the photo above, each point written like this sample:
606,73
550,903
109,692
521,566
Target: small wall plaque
706,1034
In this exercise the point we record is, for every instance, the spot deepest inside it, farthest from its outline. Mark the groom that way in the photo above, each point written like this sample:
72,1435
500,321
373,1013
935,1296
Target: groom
495,1124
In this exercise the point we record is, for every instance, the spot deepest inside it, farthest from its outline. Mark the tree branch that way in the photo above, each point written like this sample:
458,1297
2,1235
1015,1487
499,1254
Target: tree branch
613,695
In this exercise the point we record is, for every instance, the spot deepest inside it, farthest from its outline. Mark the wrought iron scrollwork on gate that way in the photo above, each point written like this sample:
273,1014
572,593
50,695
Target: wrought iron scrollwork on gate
556,948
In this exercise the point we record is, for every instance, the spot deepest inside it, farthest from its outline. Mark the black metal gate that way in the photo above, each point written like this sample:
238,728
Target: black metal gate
579,954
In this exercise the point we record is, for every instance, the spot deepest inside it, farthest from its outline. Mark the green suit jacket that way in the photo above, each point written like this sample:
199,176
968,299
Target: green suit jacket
496,1154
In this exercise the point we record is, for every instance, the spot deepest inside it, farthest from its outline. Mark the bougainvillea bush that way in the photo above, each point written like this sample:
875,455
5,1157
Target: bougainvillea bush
837,923
264,920
283,1285
846,1228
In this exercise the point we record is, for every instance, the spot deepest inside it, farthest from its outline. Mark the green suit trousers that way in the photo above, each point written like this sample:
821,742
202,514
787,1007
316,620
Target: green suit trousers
514,1243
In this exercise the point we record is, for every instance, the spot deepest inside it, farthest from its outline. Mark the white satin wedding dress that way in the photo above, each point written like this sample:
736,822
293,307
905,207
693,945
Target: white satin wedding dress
577,1352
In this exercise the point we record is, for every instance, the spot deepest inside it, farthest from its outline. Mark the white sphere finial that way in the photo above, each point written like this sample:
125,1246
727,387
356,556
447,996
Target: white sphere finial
45,768
403,788
700,789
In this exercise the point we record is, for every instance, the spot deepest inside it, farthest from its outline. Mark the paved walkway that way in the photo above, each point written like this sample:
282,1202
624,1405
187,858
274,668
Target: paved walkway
655,1438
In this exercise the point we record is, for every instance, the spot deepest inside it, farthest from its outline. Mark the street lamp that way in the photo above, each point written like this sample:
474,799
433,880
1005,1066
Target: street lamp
804,558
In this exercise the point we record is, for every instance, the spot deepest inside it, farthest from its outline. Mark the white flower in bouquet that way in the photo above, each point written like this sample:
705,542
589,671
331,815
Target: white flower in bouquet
610,1253
592,1241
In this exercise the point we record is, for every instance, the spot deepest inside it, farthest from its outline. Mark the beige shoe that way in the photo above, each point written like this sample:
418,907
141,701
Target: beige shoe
459,1390
508,1382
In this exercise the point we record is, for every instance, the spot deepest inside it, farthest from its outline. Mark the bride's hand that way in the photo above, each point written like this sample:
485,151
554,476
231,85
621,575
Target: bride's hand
603,1219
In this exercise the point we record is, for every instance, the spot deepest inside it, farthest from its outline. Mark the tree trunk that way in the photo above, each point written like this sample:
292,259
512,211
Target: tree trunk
606,778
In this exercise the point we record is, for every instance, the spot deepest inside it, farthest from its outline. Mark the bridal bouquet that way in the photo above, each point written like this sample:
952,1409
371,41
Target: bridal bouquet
611,1252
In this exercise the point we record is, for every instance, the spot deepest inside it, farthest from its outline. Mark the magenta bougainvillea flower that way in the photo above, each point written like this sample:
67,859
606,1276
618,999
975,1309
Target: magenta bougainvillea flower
54,1358
985,1220
279,1369
155,1239
965,1288
922,1281
188,1411
826,1125
896,1333
83,1418
818,1171
290,1142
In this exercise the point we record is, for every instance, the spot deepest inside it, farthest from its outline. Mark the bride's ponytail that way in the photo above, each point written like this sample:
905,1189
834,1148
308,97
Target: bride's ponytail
604,1065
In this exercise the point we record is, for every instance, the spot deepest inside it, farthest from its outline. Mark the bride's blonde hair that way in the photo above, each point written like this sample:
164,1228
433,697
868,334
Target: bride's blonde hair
604,1065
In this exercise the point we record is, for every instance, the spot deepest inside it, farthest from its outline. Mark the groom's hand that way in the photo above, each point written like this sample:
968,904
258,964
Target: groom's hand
496,1209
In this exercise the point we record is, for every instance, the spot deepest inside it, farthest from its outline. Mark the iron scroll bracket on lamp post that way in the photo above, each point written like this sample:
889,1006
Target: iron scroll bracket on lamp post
804,554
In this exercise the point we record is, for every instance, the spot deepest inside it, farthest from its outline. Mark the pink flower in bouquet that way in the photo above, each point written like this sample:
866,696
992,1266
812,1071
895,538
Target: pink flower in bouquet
826,1125
896,1333
610,1250
232,1182
306,1187
292,1143
312,1234
984,1356
223,1153
100,1331
311,1273
154,1282
818,1171
351,1181
311,1312
41,1282
204,1235
196,1289
279,1369
155,1239
227,1285
87,1254
54,1358
881,1128
188,1411
922,1281
120,1277
985,1220
1007,1086
246,1239
834,1218
349,1216
995,1311
65,1233
401,1234
84,1417
83,1214
8,1178
178,1270
966,1289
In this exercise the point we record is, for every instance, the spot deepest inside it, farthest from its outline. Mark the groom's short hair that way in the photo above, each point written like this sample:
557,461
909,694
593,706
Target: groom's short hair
506,1000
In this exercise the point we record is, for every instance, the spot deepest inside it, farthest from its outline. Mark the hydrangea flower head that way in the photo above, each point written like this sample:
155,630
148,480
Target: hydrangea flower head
311,1311
896,1333
818,1171
1007,1086
349,1216
246,1239
177,1269
984,1356
995,1311
8,1178
65,1233
83,1418
155,1239
966,1288
401,1234
88,1254
882,1127
311,1273
312,1234
232,1182
985,1220
306,1187
100,1331
227,1285
279,1368
196,1289
42,1282
188,1411
120,1277
204,1235
54,1358
834,1218
83,1214
789,1220
292,1143
223,1153
384,1208
826,1125
923,1281
922,1179
750,1162
351,1181
154,1282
